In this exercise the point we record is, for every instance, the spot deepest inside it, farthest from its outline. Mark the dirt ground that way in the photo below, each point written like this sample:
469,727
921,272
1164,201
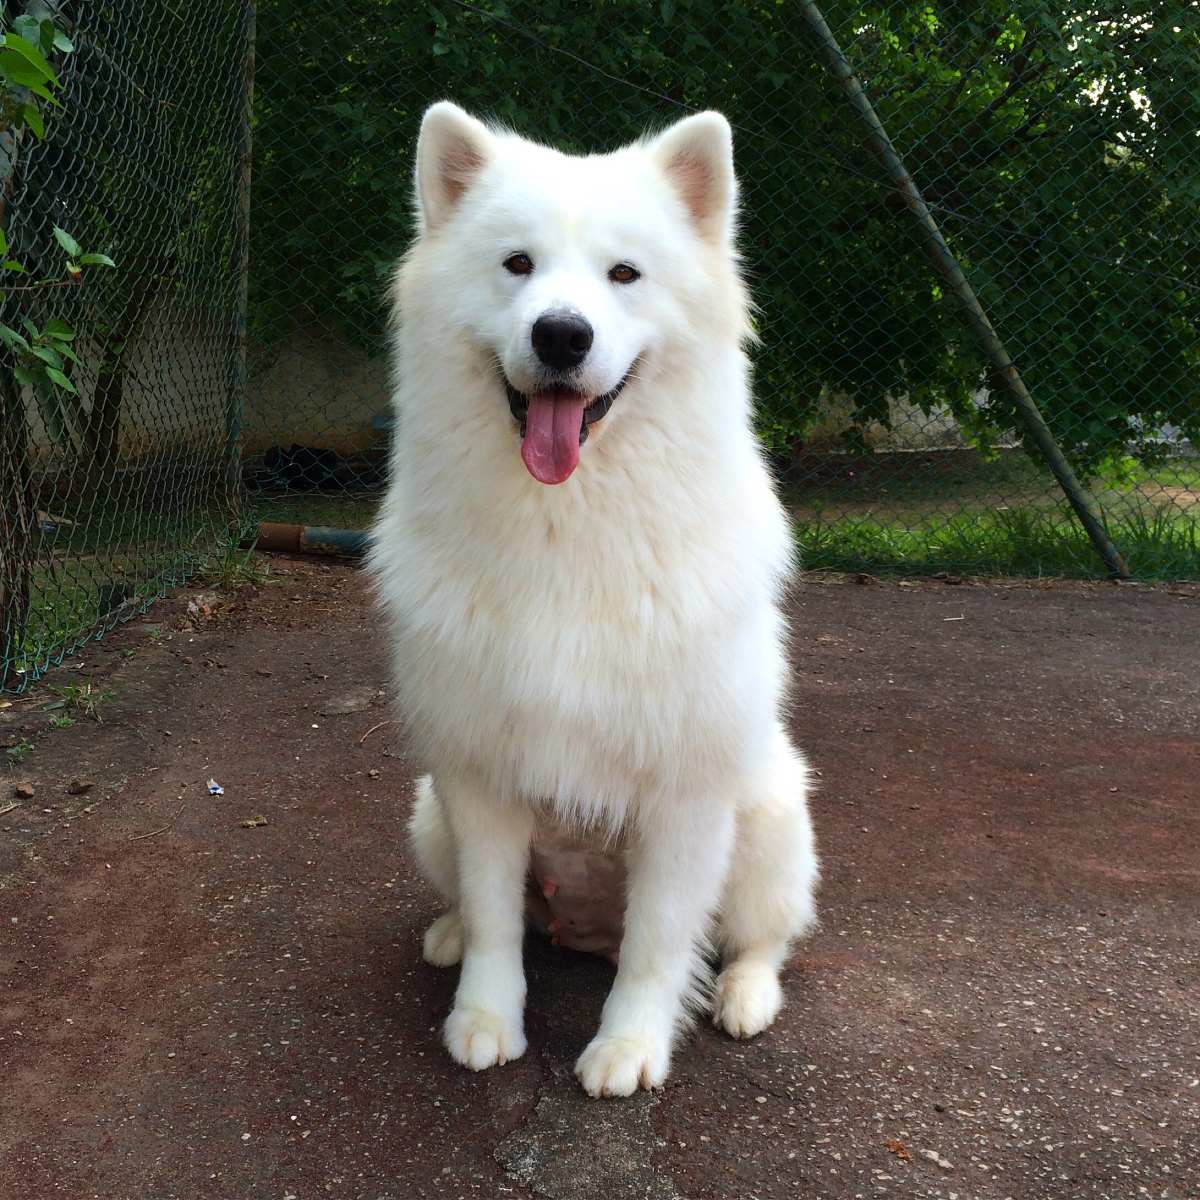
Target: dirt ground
1003,999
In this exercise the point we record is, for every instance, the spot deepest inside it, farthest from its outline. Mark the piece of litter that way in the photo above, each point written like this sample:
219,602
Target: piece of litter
254,822
954,618
215,789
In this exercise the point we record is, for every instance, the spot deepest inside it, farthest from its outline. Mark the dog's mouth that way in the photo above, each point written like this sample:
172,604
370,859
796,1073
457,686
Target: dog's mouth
554,424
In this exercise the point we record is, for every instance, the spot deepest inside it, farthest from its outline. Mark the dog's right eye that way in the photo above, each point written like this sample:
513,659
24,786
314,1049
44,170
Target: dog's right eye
518,264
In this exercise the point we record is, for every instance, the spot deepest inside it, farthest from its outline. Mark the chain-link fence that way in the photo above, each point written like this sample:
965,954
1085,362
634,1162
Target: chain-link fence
1055,146
124,130
1054,143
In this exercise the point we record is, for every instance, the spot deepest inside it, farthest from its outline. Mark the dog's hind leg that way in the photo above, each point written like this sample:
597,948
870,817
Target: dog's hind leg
768,897
433,843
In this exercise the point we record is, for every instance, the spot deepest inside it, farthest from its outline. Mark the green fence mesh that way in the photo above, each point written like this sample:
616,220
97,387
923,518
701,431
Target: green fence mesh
121,141
1056,145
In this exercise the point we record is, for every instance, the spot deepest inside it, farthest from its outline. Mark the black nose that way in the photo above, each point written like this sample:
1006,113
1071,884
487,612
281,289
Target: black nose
562,339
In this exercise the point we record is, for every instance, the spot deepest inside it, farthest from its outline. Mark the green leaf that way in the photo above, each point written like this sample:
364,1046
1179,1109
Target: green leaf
12,339
63,382
11,264
96,260
29,51
59,329
28,27
3,240
25,375
14,69
33,329
50,357
31,115
67,242
67,352
63,43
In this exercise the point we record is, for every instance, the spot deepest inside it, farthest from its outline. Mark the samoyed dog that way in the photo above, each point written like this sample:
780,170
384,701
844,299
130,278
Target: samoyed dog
581,555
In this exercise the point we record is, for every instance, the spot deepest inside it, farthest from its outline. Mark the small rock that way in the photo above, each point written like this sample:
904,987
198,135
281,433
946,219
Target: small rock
23,791
79,787
373,773
203,605
254,822
935,1157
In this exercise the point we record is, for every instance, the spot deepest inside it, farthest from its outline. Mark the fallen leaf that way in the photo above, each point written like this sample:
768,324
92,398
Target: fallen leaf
899,1149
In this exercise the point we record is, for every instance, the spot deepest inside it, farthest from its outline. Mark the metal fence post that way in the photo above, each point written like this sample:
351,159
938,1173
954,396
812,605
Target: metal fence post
18,517
239,266
947,266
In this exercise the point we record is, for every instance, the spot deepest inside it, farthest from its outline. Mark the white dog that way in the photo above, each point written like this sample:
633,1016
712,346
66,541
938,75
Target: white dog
597,668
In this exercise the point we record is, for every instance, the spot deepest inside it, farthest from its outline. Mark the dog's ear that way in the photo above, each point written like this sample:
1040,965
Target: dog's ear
696,155
451,150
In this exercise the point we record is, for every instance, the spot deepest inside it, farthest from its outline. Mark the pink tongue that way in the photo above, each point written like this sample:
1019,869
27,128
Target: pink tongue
550,448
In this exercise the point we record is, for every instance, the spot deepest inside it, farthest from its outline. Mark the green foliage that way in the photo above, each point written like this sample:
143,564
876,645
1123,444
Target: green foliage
1055,142
86,698
19,749
41,358
232,567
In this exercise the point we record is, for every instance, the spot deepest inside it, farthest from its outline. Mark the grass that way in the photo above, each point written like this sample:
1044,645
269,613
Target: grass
921,514
86,699
17,752
230,567
338,512
1025,543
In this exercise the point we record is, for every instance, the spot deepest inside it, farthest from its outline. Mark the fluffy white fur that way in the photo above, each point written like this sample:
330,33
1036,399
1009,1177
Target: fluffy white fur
609,651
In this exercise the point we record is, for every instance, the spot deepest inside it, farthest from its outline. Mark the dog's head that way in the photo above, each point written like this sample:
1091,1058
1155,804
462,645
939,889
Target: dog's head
576,274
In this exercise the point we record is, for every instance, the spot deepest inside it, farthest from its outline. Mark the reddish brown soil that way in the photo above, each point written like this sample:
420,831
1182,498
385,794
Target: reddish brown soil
1006,975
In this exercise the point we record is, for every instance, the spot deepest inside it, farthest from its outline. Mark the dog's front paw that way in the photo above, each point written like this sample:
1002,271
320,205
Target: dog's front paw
479,1038
618,1066
443,945
747,999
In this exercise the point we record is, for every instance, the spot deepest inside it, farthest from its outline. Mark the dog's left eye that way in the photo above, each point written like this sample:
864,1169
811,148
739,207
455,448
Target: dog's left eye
518,264
624,273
